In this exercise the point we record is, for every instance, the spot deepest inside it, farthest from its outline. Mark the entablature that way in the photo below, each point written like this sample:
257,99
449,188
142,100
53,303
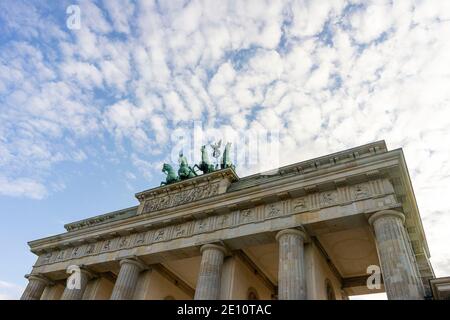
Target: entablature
365,170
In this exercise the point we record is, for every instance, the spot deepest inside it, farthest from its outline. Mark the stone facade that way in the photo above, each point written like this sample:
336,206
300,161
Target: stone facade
308,231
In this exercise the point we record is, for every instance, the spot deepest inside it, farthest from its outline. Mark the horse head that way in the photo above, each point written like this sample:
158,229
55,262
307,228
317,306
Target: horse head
166,167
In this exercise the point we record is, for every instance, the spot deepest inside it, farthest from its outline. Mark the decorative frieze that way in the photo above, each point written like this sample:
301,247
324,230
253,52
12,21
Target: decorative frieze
198,188
181,197
308,202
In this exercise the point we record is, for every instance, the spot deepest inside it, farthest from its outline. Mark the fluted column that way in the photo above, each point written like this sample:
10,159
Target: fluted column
398,265
291,267
127,279
35,287
77,293
210,274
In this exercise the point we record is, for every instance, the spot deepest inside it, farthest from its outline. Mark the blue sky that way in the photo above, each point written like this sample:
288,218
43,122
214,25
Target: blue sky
88,116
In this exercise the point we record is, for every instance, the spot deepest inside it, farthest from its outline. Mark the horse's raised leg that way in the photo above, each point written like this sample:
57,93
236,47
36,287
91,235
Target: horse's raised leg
196,166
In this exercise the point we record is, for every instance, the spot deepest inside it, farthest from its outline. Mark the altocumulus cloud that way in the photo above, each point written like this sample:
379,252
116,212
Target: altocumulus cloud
9,291
327,75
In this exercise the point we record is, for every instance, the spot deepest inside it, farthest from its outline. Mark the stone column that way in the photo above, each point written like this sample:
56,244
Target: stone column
127,279
398,266
291,267
76,293
99,288
210,274
53,292
35,287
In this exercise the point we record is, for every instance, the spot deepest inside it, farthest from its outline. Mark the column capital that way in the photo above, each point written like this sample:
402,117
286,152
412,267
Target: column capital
386,213
83,270
296,232
39,277
89,274
135,261
213,246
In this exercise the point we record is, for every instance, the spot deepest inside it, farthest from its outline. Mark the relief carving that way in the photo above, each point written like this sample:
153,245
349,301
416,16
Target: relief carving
180,230
60,255
47,257
299,204
90,248
75,252
159,235
202,225
106,245
181,197
361,191
123,242
273,210
246,216
140,239
328,198
223,221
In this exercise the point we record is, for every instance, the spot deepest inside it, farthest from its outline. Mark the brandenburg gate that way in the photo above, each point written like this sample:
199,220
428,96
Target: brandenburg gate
309,230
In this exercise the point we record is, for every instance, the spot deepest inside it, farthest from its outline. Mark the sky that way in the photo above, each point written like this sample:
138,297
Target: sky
90,108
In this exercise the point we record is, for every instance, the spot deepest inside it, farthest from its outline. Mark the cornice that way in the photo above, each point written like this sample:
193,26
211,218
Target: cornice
406,181
115,215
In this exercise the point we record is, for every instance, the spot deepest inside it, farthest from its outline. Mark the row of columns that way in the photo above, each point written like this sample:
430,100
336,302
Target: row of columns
291,273
400,274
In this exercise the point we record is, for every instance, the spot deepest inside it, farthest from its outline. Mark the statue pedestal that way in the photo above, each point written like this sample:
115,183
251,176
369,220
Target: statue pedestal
185,191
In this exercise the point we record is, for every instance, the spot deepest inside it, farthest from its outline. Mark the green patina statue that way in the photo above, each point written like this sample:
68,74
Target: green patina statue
226,158
185,171
205,166
171,175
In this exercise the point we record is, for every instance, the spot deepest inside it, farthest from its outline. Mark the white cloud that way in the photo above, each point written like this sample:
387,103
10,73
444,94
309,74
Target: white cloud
370,23
309,17
10,291
93,17
120,12
223,78
86,74
22,187
310,69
